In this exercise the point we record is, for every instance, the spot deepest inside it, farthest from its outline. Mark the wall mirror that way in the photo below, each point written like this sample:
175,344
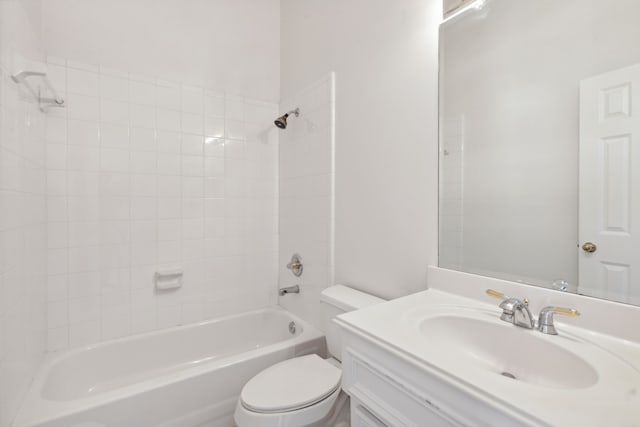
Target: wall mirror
540,144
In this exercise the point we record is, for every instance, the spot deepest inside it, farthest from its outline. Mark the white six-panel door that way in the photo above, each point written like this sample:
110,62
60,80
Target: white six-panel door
609,214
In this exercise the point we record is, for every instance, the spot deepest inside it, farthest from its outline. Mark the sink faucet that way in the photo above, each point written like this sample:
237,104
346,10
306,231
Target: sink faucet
517,312
514,310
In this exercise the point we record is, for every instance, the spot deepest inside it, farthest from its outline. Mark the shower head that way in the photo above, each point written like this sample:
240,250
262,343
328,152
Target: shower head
281,121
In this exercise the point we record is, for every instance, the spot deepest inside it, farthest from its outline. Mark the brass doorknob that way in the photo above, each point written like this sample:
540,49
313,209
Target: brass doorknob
589,247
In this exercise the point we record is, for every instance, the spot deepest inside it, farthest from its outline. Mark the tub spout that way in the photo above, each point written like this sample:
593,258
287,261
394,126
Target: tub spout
289,290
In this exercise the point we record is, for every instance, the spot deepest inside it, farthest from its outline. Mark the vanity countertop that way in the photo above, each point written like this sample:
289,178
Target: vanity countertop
579,377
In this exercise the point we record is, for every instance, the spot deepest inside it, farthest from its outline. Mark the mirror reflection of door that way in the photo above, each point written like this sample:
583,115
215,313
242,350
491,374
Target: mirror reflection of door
609,247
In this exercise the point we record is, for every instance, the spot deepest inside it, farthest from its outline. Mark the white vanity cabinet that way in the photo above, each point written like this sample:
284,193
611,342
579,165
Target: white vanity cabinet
387,388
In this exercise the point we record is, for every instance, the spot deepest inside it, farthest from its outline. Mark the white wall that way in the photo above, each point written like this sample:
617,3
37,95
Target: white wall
22,210
307,196
384,55
230,45
513,72
146,175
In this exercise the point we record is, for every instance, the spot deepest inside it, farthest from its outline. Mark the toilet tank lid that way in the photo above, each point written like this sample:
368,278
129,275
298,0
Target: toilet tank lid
347,299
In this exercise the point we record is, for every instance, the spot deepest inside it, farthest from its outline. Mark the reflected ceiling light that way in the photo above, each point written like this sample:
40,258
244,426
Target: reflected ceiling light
474,5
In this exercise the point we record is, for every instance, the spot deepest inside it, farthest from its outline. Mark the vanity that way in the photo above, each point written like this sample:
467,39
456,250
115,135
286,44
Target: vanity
446,358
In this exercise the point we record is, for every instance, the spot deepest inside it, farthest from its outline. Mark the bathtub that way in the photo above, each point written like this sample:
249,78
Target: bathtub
188,376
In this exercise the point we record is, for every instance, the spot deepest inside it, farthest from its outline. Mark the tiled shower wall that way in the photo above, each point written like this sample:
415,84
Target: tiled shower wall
146,175
307,197
22,213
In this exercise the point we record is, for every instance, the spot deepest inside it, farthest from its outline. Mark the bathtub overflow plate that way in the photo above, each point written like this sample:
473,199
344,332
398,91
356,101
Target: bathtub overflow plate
292,327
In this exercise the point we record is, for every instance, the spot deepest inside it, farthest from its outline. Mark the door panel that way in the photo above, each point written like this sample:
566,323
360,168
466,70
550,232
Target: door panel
610,185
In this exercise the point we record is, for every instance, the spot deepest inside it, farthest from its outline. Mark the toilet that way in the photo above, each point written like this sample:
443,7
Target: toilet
305,390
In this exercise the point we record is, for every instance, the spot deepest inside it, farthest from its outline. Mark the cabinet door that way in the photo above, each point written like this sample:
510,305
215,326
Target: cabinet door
361,417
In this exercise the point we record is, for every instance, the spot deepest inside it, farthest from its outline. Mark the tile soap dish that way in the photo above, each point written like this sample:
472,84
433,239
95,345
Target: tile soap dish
167,280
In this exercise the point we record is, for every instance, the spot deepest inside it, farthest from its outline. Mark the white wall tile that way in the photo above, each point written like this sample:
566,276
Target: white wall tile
192,100
143,162
235,129
58,338
168,141
116,112
57,287
56,130
192,123
84,333
83,107
115,88
25,138
143,116
80,158
133,186
114,136
193,144
214,105
80,132
214,127
144,185
83,82
114,160
234,108
142,93
192,166
168,119
56,156
57,314
168,96
168,164
57,75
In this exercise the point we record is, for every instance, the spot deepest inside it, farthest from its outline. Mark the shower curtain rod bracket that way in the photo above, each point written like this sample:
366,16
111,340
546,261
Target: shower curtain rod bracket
44,102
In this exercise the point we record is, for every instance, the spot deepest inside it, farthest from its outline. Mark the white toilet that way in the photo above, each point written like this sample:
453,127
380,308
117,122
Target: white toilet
305,390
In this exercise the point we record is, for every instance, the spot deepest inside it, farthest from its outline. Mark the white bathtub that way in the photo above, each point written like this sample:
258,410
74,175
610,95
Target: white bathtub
189,376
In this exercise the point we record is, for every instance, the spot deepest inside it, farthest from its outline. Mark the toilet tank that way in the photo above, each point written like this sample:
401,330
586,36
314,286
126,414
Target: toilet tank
336,300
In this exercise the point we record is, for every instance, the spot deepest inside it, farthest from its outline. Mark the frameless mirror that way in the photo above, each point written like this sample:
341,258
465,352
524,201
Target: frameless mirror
540,144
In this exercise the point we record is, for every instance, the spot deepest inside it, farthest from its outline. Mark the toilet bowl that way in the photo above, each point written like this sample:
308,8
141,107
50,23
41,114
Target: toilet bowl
305,390
298,392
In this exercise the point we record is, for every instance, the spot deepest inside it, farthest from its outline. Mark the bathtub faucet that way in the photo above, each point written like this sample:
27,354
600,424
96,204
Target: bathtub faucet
289,290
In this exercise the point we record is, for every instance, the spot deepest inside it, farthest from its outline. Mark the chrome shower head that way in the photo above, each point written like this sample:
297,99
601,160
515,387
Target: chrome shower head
281,121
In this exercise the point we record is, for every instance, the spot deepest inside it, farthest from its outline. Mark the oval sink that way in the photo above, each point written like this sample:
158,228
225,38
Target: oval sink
503,349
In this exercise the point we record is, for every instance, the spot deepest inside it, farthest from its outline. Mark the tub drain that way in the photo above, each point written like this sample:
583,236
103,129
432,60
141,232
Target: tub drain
292,327
508,375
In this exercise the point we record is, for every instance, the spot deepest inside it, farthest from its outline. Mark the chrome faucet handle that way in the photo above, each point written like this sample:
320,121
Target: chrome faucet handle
506,305
545,318
295,265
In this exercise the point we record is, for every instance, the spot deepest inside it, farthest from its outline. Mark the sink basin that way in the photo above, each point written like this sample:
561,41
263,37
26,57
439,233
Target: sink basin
504,350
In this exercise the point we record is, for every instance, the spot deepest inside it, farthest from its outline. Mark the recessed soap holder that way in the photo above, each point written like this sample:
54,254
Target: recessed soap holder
167,280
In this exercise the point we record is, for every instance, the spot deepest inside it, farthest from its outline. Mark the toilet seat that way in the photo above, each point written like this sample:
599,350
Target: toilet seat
291,385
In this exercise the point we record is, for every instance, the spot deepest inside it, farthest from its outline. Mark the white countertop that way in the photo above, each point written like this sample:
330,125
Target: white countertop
613,400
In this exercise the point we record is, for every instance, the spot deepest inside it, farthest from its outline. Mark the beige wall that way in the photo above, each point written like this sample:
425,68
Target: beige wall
230,45
384,55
